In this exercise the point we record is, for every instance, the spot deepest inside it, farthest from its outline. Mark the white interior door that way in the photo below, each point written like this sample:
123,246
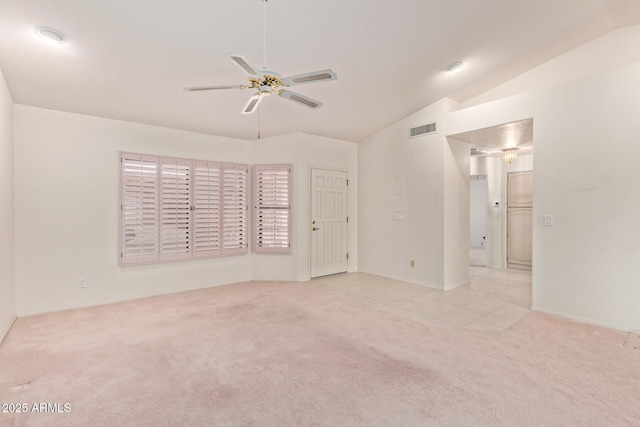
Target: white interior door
329,219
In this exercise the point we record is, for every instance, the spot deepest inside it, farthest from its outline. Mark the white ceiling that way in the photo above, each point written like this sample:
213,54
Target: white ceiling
130,59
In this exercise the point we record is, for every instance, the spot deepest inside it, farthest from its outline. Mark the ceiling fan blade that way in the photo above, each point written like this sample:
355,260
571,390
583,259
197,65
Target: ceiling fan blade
242,62
198,88
301,99
313,77
252,104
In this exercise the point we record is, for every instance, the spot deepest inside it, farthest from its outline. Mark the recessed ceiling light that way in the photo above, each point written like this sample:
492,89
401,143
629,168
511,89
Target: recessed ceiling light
454,67
50,35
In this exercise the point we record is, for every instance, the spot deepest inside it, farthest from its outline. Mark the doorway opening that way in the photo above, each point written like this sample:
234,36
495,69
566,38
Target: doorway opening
478,221
488,157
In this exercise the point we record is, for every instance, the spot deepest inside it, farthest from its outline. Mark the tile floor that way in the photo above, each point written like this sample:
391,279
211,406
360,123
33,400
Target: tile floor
477,256
496,299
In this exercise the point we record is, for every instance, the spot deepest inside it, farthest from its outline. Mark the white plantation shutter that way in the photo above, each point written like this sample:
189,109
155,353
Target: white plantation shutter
272,209
234,208
175,209
138,210
206,215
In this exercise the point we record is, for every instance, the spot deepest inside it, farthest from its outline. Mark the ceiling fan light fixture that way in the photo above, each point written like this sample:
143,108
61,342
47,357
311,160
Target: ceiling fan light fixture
265,90
454,67
50,35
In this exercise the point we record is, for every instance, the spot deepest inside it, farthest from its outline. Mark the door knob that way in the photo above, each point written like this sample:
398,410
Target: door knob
315,228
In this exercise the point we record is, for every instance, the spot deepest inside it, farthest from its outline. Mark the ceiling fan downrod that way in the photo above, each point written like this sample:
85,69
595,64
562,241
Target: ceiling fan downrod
264,33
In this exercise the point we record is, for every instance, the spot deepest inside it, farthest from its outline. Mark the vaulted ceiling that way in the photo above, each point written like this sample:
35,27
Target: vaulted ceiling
130,59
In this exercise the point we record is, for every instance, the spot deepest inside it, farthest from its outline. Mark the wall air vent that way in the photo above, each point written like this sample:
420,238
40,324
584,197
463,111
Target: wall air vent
422,130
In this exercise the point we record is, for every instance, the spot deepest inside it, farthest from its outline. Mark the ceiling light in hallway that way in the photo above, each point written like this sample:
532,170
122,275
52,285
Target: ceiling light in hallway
50,35
510,155
454,67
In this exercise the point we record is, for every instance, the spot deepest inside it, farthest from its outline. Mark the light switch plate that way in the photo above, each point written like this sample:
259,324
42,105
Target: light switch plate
548,220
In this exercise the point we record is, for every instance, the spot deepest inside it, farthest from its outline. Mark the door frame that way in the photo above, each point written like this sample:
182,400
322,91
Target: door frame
487,217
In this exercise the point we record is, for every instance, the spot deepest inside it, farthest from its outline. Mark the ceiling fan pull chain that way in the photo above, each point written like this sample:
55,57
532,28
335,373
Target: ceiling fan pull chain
259,136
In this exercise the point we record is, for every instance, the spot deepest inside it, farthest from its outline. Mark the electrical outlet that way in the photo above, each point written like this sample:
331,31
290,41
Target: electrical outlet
233,265
82,282
413,264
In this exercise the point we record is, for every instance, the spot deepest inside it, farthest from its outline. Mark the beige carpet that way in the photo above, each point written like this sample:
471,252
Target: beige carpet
283,354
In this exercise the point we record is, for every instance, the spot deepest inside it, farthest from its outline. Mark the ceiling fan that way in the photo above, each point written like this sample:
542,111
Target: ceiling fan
266,82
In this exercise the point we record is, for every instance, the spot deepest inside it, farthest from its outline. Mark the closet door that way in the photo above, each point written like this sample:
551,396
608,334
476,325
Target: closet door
519,219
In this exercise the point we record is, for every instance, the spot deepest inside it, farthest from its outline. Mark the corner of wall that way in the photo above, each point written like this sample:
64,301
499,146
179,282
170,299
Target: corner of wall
7,215
406,177
4,332
304,151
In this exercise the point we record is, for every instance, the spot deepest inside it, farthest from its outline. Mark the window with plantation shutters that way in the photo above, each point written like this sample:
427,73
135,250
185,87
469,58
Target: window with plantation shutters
206,204
272,209
139,210
174,209
234,208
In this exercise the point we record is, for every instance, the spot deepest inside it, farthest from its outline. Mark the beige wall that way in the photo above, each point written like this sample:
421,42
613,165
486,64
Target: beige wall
67,189
586,175
457,222
586,148
409,176
7,276
67,210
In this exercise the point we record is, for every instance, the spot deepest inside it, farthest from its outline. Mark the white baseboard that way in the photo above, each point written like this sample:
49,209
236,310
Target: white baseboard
4,333
582,319
404,279
455,285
